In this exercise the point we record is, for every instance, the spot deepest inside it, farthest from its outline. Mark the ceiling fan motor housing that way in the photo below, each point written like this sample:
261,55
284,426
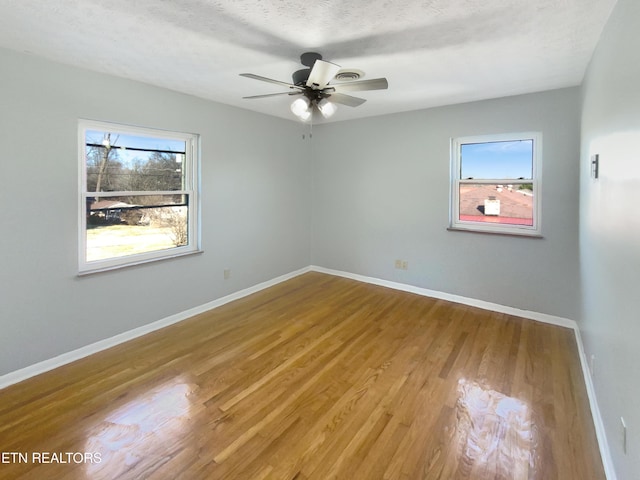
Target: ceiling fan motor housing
300,77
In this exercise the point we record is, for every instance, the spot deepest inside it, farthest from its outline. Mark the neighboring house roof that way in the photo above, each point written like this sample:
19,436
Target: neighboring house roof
516,206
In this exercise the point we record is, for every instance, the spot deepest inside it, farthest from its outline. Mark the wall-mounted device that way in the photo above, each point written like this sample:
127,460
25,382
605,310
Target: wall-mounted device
595,161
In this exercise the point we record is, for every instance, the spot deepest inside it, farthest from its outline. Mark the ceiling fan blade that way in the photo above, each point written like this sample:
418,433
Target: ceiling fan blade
274,94
373,84
348,100
321,74
270,80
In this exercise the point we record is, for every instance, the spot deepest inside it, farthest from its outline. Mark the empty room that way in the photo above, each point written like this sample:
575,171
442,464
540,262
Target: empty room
320,240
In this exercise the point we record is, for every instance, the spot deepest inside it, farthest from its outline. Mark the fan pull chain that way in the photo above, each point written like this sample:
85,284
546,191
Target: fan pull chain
304,136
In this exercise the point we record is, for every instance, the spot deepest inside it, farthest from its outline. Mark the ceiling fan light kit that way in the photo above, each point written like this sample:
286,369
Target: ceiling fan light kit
303,108
313,84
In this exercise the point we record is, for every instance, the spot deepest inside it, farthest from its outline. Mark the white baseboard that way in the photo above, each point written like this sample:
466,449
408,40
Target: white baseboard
46,365
494,307
55,362
598,424
603,444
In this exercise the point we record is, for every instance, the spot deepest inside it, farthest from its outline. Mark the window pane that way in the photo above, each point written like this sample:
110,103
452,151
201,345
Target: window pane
122,226
142,142
117,162
497,160
501,204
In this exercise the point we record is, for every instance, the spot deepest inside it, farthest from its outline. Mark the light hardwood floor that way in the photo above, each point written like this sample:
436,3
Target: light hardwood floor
319,377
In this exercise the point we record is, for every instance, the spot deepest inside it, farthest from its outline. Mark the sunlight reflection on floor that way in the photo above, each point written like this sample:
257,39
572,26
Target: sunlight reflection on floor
143,430
494,430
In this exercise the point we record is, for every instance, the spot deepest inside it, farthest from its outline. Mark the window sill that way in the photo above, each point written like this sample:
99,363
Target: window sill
85,273
495,232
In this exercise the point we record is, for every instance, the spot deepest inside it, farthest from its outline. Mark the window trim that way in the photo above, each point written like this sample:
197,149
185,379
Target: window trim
455,181
191,189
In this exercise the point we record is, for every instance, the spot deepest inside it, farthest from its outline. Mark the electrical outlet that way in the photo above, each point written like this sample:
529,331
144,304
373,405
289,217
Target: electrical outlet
592,362
402,264
227,273
624,435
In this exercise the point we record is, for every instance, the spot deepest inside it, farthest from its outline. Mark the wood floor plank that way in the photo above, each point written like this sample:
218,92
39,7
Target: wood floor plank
316,378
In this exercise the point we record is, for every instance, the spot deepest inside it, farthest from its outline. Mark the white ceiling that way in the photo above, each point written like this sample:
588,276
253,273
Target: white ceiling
433,52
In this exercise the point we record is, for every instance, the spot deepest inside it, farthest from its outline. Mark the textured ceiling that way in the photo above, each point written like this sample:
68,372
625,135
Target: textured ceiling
433,52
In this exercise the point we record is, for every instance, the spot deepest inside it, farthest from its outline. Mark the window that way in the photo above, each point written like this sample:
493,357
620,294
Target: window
495,183
138,199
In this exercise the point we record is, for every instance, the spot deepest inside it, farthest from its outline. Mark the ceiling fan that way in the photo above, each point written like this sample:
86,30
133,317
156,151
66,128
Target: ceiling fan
312,83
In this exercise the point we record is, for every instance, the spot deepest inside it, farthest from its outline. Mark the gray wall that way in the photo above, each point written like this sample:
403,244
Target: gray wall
610,230
381,192
255,208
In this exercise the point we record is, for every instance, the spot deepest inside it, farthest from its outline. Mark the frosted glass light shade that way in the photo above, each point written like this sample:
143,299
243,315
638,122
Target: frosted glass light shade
327,108
300,108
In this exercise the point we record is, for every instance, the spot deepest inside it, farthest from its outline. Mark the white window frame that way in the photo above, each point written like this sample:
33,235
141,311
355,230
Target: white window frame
191,164
456,165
